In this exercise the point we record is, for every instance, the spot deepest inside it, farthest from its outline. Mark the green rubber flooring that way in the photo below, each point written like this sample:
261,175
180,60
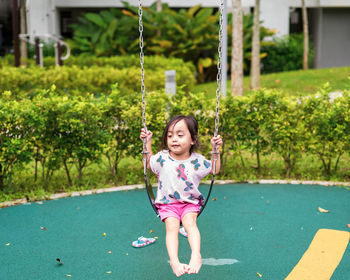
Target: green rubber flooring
248,229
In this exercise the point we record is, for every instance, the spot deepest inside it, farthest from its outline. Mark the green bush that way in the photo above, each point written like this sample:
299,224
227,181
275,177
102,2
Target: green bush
82,80
190,34
68,134
285,54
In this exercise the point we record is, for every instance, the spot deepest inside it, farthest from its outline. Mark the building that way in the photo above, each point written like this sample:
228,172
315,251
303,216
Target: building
329,20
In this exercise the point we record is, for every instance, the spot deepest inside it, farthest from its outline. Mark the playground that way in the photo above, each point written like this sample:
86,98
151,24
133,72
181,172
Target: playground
249,231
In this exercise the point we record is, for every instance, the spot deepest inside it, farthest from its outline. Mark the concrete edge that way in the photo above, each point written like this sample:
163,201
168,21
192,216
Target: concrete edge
133,187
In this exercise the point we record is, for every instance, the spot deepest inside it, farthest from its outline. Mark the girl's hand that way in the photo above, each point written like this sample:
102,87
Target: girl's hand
146,135
216,140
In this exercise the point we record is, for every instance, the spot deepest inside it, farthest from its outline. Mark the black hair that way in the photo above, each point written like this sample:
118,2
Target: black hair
192,126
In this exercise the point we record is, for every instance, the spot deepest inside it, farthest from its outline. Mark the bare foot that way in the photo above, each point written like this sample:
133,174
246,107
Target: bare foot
178,268
195,264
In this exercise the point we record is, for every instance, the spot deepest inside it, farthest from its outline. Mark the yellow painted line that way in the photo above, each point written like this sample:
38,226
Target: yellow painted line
322,257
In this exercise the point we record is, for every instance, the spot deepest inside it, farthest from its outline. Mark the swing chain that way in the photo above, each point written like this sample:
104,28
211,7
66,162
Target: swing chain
220,70
143,89
218,86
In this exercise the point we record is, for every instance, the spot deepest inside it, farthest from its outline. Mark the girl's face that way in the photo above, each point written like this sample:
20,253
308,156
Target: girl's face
179,140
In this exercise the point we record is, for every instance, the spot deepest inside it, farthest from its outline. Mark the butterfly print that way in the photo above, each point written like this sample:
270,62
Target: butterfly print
206,164
181,172
165,200
191,197
189,186
161,161
175,195
196,164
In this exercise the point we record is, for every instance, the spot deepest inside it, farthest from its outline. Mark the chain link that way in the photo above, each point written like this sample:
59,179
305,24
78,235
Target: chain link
220,70
143,90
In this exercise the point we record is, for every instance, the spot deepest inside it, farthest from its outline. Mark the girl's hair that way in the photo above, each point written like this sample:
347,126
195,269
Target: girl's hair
192,126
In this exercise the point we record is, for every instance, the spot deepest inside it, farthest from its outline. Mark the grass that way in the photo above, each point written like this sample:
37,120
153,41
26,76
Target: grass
292,83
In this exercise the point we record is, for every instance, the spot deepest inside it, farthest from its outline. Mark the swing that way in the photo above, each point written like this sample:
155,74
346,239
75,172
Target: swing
149,189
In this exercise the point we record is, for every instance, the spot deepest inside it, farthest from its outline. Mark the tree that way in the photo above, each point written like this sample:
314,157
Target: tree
255,63
237,49
159,9
23,30
159,5
306,36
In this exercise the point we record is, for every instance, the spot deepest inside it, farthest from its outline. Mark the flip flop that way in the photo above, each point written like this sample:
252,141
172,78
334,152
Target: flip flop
183,231
143,241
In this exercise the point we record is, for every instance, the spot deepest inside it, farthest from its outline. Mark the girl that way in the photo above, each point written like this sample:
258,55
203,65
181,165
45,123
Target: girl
179,170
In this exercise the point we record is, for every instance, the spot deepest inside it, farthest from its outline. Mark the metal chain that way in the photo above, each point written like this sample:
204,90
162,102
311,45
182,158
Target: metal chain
218,86
220,70
143,89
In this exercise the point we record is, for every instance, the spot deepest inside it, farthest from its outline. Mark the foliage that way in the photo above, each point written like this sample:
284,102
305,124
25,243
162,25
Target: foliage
190,34
23,82
285,54
71,133
327,127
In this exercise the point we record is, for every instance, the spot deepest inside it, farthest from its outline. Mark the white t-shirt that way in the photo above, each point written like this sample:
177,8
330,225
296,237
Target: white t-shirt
178,180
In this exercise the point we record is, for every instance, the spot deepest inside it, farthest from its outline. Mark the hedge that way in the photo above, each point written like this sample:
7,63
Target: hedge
119,62
94,78
61,132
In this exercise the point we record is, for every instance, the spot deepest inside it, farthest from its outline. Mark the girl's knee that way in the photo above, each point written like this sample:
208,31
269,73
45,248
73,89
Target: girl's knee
190,220
172,224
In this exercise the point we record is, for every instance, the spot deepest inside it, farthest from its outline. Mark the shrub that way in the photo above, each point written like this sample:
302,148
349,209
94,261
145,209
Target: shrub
285,54
76,80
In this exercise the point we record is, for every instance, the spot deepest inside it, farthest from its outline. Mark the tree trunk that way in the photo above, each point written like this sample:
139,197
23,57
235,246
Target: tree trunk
159,9
237,49
67,173
258,154
2,185
255,62
23,30
159,5
306,36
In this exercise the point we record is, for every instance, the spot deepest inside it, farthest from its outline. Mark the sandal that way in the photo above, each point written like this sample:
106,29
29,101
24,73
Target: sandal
183,231
143,241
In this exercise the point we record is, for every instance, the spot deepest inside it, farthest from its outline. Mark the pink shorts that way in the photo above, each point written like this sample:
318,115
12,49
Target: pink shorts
177,210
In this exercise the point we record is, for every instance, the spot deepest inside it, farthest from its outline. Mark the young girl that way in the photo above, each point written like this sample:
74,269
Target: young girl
179,170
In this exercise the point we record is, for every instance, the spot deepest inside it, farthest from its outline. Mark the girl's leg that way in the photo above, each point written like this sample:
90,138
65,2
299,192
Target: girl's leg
189,222
172,244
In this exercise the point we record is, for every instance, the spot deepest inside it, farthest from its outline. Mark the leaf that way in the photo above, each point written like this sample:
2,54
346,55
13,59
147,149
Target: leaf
97,19
193,10
205,62
151,231
323,210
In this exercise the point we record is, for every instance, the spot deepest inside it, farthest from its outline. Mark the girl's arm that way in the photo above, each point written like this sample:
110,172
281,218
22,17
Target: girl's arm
148,136
218,142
